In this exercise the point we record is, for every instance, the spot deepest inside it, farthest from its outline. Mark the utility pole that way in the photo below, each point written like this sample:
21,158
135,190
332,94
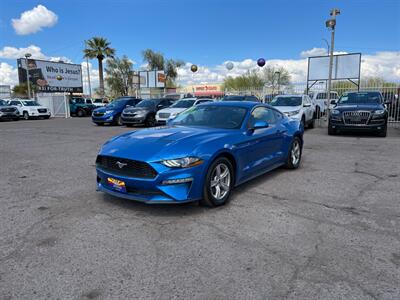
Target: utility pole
27,55
331,23
88,77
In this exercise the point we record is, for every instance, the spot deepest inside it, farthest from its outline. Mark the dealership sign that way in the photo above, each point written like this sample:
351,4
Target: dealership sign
51,77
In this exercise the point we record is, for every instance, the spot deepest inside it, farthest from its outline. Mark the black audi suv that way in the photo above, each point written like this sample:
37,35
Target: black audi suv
359,111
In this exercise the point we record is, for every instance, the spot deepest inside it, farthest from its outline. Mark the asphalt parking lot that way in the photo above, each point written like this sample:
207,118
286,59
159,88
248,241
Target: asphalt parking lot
329,230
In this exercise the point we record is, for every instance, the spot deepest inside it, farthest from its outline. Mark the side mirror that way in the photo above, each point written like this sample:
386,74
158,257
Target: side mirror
260,124
306,104
333,101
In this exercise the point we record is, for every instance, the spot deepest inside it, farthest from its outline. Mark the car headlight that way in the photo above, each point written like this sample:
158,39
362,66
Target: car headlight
292,113
185,162
335,112
109,112
379,112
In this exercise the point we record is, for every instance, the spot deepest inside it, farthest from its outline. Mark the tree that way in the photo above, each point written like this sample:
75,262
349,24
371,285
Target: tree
98,47
157,61
21,90
275,76
119,76
249,80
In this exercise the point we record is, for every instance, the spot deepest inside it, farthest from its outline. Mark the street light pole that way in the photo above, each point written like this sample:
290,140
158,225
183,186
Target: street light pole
27,55
331,23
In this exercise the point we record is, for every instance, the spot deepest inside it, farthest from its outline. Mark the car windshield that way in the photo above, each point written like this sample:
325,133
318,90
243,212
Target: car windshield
183,104
79,100
147,103
215,116
233,98
286,101
361,98
98,101
119,102
30,103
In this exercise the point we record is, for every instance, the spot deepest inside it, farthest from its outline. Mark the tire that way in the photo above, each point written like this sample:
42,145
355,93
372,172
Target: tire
383,132
150,121
128,125
311,124
25,115
47,117
294,157
331,130
223,184
80,113
16,119
118,120
303,122
99,124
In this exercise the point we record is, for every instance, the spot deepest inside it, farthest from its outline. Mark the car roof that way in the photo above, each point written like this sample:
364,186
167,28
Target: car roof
244,104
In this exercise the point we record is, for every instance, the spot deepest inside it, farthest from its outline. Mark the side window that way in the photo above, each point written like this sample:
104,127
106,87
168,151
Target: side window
203,101
261,114
14,103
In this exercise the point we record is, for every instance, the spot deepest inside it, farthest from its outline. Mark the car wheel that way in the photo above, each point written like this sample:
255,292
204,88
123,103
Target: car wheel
16,119
331,130
80,113
25,115
295,152
312,123
118,120
150,121
219,183
99,124
383,132
128,125
47,117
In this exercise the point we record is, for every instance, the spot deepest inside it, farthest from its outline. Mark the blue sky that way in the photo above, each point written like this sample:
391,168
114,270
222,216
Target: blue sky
206,32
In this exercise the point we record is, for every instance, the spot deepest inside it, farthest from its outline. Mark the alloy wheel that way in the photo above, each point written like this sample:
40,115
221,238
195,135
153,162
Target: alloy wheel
296,152
220,181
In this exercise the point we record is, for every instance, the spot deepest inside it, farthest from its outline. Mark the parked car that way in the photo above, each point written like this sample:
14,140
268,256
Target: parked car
240,98
296,107
29,109
145,112
8,112
80,107
111,113
96,102
361,111
320,101
207,151
175,109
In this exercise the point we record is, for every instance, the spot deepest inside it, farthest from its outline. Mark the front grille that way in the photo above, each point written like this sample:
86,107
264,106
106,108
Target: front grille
128,115
164,115
42,110
98,114
356,117
8,109
125,167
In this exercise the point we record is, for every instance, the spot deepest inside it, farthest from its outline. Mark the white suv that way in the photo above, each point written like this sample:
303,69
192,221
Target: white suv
320,100
175,109
296,107
30,109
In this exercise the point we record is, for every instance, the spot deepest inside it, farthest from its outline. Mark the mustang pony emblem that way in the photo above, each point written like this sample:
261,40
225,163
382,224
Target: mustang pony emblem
120,164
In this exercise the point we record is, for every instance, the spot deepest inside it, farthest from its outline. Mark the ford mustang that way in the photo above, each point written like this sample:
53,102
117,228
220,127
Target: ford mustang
201,155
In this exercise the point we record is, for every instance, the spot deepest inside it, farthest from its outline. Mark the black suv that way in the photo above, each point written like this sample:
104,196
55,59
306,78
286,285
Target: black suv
241,98
144,112
359,111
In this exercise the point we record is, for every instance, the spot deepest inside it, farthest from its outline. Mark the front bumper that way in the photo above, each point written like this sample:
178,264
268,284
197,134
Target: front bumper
133,120
9,116
103,119
155,191
35,114
373,124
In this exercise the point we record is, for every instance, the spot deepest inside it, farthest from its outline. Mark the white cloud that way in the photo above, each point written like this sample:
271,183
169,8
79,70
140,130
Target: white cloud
94,77
8,74
13,53
313,52
34,20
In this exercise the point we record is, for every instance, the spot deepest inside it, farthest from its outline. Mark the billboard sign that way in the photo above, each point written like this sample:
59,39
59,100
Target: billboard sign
152,79
51,77
345,66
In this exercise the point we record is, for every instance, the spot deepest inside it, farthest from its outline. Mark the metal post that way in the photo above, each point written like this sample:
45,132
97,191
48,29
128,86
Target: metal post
331,24
279,79
88,76
27,76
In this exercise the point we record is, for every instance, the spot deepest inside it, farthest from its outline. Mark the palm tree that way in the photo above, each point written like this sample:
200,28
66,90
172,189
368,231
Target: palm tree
98,47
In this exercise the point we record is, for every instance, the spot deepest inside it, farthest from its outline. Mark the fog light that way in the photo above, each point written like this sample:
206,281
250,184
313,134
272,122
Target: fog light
177,181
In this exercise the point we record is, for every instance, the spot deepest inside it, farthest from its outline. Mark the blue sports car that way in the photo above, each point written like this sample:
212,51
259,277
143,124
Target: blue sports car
201,155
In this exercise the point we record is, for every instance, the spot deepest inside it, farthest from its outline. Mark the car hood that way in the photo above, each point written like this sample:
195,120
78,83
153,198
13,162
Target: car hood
172,110
159,143
286,109
137,109
354,107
